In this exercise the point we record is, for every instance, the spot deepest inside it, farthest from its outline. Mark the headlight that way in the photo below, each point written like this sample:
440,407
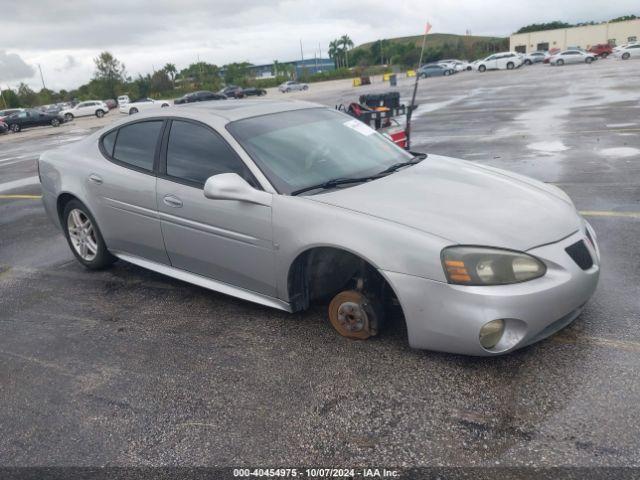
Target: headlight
489,266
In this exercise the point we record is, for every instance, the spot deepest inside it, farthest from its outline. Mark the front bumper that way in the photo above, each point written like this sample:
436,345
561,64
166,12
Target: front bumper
446,317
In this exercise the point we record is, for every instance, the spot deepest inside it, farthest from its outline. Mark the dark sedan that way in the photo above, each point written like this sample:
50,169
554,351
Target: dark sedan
435,70
253,91
31,118
201,96
232,91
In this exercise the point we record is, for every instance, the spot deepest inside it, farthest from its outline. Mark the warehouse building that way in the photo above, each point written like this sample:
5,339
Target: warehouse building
614,33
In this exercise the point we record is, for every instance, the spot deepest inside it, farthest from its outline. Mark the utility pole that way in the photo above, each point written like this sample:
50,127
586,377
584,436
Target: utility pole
42,77
415,88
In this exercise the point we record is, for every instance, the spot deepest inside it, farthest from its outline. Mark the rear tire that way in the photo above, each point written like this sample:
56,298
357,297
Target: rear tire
588,60
84,237
447,73
306,87
15,128
99,113
133,111
604,55
55,122
528,62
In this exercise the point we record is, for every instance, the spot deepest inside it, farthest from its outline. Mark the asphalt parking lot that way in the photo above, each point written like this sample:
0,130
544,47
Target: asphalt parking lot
127,367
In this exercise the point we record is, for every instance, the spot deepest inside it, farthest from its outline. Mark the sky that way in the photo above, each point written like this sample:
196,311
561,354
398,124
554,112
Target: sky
63,37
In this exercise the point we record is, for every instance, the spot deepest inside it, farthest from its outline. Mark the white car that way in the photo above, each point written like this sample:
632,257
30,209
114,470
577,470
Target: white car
457,65
123,100
86,109
290,86
627,52
571,56
499,61
143,105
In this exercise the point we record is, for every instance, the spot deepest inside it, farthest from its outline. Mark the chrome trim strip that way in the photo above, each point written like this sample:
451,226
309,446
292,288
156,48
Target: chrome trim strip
205,282
127,207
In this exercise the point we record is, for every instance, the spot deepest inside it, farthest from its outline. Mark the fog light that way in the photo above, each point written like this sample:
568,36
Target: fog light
491,333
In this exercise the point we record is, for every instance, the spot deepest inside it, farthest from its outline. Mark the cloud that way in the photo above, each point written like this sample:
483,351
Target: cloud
70,63
13,67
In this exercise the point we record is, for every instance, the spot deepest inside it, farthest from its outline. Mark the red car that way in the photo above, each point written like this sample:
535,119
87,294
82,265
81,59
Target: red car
603,50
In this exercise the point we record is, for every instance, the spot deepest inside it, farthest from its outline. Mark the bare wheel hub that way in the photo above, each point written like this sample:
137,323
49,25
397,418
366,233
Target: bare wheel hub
351,315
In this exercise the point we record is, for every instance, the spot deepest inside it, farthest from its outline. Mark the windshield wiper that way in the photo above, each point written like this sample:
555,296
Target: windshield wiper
417,158
334,182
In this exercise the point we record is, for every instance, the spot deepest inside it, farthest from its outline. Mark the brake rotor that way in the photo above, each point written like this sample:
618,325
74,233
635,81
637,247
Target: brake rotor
352,316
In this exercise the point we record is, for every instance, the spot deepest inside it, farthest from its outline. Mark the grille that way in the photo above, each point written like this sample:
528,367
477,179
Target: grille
580,254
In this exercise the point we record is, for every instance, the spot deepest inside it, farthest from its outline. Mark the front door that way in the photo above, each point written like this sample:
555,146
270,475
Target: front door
229,241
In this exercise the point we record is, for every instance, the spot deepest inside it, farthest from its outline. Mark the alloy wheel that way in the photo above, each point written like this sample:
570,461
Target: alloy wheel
82,235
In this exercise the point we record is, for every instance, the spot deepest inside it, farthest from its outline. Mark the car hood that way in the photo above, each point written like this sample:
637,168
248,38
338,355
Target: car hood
464,203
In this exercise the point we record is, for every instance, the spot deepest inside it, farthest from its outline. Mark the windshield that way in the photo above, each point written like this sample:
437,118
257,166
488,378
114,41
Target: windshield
301,148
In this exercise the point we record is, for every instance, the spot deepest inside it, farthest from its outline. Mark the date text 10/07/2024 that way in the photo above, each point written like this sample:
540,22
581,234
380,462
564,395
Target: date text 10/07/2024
315,472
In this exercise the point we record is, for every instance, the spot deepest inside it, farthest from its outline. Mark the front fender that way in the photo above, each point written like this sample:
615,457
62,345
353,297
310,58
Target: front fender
300,224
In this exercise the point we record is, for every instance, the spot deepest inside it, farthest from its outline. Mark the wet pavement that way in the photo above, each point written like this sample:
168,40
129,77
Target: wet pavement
127,367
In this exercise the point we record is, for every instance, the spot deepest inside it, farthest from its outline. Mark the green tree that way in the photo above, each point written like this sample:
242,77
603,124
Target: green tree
11,99
236,73
109,74
27,96
160,82
170,68
536,27
346,44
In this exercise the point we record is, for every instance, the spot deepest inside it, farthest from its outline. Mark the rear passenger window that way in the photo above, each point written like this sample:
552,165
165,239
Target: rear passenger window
195,153
108,141
136,144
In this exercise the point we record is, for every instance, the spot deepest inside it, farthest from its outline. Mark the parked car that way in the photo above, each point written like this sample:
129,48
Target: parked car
454,64
123,100
200,96
111,103
602,50
435,70
142,105
572,56
292,86
484,261
253,91
32,118
534,57
629,51
500,61
5,113
86,109
231,91
4,128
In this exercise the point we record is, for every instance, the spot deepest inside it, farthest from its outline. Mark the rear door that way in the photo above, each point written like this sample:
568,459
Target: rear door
124,190
229,241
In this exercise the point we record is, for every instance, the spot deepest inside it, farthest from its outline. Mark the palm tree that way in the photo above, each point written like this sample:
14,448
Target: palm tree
276,68
334,52
170,68
346,43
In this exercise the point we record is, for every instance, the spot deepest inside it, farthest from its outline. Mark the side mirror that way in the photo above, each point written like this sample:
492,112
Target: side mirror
231,186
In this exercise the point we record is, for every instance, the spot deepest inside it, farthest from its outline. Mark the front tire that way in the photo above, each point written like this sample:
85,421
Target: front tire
84,237
588,60
133,111
99,113
560,62
306,87
447,73
164,105
482,68
68,117
528,62
55,122
604,55
15,128
510,66
626,56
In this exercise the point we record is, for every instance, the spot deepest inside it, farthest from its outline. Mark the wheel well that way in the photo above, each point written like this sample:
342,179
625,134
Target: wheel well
322,272
61,203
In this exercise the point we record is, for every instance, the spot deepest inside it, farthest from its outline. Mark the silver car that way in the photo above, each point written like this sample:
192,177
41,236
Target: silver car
292,86
284,204
571,56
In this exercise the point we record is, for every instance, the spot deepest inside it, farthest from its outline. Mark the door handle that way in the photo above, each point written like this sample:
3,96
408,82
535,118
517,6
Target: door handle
172,201
95,178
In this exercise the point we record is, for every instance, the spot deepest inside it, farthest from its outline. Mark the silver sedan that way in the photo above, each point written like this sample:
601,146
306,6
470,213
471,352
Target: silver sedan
284,204
572,56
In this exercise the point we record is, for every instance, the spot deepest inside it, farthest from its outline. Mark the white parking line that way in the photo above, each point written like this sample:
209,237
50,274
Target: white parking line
23,182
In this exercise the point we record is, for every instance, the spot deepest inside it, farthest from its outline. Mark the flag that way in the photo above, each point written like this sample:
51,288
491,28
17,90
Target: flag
428,29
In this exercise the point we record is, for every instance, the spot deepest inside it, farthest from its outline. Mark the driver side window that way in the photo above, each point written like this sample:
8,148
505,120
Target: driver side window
195,153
